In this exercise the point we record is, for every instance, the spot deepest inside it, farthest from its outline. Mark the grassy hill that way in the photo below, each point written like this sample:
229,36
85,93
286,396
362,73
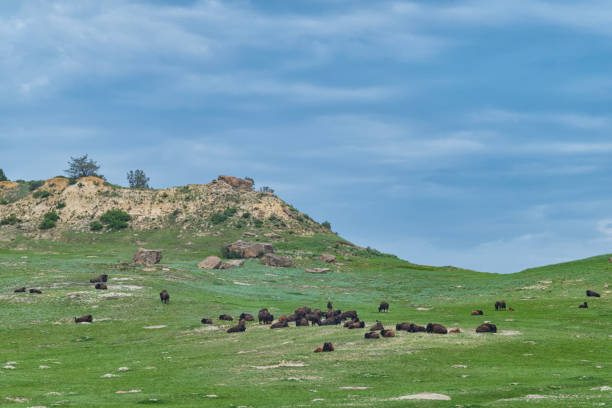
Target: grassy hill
547,353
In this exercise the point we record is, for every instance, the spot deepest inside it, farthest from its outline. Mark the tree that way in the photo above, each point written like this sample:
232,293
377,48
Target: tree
2,176
82,167
326,224
138,179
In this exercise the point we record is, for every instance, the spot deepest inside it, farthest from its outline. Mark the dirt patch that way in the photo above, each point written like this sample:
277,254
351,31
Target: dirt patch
281,364
423,396
509,332
159,326
423,308
352,387
127,392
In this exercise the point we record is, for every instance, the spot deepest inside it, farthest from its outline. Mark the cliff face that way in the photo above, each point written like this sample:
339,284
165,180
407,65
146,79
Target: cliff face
188,206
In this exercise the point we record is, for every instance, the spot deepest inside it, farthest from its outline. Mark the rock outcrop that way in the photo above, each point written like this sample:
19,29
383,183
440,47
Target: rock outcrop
211,262
242,249
147,257
318,270
234,263
276,260
327,258
237,182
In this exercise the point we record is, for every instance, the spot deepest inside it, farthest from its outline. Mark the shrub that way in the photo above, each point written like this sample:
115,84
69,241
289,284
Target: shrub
41,194
240,224
115,219
96,226
258,223
34,184
230,212
52,215
3,202
10,220
246,215
266,189
60,205
218,218
3,176
326,224
82,167
47,224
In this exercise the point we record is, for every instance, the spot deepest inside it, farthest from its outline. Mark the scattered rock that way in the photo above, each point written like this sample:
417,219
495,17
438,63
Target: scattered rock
237,182
159,326
272,235
109,375
127,392
351,387
147,257
318,270
243,249
250,234
234,263
459,366
211,262
327,258
423,396
276,260
123,369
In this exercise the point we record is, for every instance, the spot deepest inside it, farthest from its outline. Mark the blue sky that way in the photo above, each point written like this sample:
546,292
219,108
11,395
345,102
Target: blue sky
468,133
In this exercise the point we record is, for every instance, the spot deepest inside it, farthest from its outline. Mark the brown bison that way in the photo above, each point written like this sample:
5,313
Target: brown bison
279,324
377,326
164,296
332,313
328,346
414,328
240,327
349,314
402,326
84,319
246,316
591,293
302,321
372,335
455,330
226,317
302,311
384,307
511,309
99,278
477,313
265,317
500,305
583,306
314,318
486,328
101,286
435,328
331,321
329,305
207,321
387,333
356,325
20,290
37,291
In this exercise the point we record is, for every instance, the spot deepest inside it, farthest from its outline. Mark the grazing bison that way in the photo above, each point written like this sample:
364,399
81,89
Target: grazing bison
592,293
583,306
20,290
207,321
246,316
477,313
371,335
387,333
280,324
500,305
99,278
226,317
240,327
455,330
101,286
414,328
265,317
329,305
332,313
35,291
314,318
486,328
302,321
435,328
377,326
384,307
84,319
164,296
302,311
402,326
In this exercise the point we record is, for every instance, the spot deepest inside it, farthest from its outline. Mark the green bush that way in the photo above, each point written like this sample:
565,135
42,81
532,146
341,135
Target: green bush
41,194
230,212
34,184
96,226
218,218
52,215
258,223
47,224
115,219
60,205
10,220
326,224
3,202
246,215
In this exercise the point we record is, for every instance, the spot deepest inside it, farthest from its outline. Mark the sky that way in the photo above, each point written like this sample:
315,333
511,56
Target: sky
467,133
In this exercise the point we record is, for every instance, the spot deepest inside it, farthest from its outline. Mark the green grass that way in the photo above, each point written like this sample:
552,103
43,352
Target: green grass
556,349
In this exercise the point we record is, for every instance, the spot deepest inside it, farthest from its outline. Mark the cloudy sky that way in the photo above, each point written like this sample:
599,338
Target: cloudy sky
470,133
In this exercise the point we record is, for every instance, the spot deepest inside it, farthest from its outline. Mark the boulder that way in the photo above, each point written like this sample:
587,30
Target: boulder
276,260
243,249
250,234
234,263
211,262
147,256
272,235
317,270
327,258
237,182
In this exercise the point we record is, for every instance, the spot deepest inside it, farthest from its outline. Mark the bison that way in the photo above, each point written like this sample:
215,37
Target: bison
226,317
314,318
246,316
240,327
500,305
477,313
330,320
101,286
349,314
384,307
37,291
414,328
207,321
164,296
329,305
486,328
265,317
279,324
20,290
591,293
356,325
387,333
583,306
302,311
371,335
435,328
377,326
99,278
84,319
328,346
455,330
402,326
302,321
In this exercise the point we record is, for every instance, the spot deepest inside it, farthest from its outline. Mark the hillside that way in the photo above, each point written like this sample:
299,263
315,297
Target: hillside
187,207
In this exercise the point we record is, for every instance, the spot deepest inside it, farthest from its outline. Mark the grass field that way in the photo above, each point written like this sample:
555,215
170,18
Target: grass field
548,353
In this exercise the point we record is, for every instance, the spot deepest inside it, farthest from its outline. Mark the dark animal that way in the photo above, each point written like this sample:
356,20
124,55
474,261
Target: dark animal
314,318
329,305
226,317
302,321
592,293
349,314
279,324
240,327
333,313
101,286
20,290
350,322
377,326
84,319
402,326
99,278
387,333
246,316
302,311
164,296
500,305
331,320
265,317
35,291
583,306
207,321
318,349
435,328
292,318
486,328
356,325
414,328
511,309
371,335
477,313
328,346
384,307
